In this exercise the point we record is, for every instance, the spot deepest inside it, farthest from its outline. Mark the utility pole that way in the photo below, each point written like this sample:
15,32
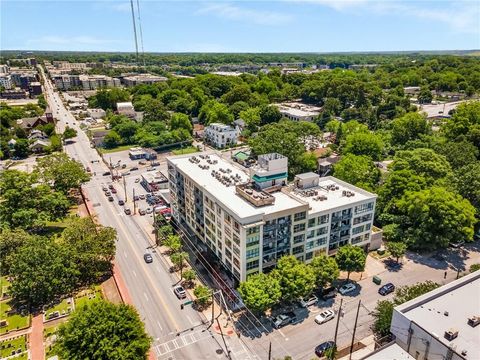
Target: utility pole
134,31
134,203
125,188
270,351
354,330
338,321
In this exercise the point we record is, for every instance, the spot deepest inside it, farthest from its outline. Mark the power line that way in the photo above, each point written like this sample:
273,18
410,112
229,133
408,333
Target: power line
141,32
134,30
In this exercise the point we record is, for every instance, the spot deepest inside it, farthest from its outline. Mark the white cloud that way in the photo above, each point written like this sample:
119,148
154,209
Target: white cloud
233,12
336,4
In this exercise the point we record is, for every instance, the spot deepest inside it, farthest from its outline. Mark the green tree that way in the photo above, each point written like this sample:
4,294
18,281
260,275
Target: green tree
203,295
43,271
467,183
10,242
269,114
188,277
181,121
350,258
61,171
251,117
69,133
21,148
260,292
474,267
126,130
93,247
173,243
409,127
397,249
410,292
107,99
357,170
425,96
215,112
178,260
103,330
112,139
325,269
26,203
155,111
432,218
459,153
296,279
367,144
383,314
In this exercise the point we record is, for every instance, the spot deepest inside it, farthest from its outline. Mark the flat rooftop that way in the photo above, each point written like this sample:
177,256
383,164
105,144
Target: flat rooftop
330,193
390,352
227,195
299,109
461,298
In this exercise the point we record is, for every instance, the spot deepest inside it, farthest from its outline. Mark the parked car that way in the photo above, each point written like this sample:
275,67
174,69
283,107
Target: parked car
104,188
457,245
128,211
284,319
137,180
320,349
134,168
142,212
142,162
148,258
136,198
308,301
329,293
110,198
114,191
124,166
386,289
121,202
149,210
110,186
108,193
142,196
324,316
106,173
180,292
158,209
347,288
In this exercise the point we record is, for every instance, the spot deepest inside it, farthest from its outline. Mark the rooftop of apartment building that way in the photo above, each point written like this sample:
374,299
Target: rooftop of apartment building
220,127
299,109
453,307
230,184
390,351
145,77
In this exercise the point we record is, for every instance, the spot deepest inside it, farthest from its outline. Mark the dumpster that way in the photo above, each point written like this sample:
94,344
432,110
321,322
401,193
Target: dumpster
377,280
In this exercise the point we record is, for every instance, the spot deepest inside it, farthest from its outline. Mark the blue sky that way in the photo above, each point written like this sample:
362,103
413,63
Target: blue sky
242,26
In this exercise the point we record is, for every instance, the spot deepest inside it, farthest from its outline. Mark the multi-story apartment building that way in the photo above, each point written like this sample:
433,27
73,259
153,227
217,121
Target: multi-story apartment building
149,79
6,82
221,135
249,218
85,82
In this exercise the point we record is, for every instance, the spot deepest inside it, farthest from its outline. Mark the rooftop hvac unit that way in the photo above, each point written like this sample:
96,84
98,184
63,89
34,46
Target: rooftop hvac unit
473,321
451,334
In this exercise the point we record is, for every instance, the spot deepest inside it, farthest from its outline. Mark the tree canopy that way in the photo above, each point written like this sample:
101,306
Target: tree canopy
260,292
350,258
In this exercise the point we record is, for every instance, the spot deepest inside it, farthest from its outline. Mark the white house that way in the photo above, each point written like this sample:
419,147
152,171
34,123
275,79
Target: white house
221,135
126,108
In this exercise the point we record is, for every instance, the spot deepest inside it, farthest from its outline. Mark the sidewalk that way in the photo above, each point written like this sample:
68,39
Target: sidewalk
36,338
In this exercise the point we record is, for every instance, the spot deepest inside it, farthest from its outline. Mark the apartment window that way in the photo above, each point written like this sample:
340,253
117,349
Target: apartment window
364,208
357,230
251,253
236,226
357,239
253,240
309,255
228,254
311,223
367,236
297,250
236,239
361,219
299,238
252,264
228,219
310,234
322,231
236,262
228,242
298,228
236,273
236,250
300,216
253,230
323,219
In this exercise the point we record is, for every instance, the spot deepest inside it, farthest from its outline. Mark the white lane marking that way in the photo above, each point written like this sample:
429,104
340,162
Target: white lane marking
160,326
145,294
134,273
125,254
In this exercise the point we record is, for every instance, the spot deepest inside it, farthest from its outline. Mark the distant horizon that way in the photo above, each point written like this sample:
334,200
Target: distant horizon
230,26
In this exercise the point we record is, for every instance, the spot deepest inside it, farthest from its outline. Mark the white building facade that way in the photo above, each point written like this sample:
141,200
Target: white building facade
251,219
221,135
6,82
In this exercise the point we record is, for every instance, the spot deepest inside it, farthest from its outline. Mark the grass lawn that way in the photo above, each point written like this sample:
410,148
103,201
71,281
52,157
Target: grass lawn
86,296
62,308
4,285
8,346
187,150
49,346
15,321
118,148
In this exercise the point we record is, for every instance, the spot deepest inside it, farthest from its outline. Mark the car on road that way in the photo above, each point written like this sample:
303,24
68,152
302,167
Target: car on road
180,292
158,209
108,193
324,316
134,168
308,301
136,198
110,198
347,288
124,166
329,293
121,202
323,347
457,245
142,196
386,289
128,211
110,186
284,319
106,173
148,258
114,191
149,210
142,212
142,162
104,188
88,169
137,180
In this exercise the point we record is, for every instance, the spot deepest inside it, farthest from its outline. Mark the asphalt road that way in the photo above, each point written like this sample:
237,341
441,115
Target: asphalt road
177,334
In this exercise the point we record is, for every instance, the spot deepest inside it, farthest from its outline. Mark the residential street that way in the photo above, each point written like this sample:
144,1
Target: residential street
177,334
